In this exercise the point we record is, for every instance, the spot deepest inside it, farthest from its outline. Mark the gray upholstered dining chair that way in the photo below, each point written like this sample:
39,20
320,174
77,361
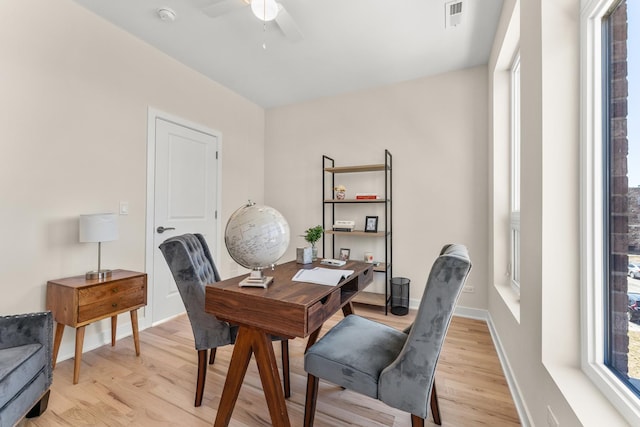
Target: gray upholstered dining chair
381,362
193,268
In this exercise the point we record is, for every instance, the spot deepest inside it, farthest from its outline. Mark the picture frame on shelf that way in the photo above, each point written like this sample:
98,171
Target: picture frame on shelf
344,254
371,224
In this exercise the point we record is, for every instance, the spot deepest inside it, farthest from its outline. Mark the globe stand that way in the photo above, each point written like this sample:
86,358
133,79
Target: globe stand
256,280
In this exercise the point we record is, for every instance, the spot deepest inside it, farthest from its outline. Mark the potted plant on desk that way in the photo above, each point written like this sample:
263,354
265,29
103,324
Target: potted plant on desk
312,235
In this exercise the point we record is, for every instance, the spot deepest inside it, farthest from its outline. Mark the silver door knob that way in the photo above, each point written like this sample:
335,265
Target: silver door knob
162,229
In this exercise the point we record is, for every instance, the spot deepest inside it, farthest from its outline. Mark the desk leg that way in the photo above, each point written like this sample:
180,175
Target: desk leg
78,356
56,342
114,327
347,309
313,338
134,326
268,369
249,341
235,375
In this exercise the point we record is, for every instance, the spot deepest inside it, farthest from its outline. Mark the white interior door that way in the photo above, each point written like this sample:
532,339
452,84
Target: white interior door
185,202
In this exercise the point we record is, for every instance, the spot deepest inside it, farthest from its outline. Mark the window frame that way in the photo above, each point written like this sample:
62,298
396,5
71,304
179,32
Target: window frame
514,172
594,119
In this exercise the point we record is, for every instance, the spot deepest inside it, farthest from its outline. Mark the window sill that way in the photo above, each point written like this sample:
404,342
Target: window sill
587,401
511,299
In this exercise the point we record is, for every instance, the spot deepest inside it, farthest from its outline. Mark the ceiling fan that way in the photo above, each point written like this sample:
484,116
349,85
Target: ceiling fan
265,10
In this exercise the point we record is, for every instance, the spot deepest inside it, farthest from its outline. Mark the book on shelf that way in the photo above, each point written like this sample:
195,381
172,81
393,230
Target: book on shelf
343,225
366,196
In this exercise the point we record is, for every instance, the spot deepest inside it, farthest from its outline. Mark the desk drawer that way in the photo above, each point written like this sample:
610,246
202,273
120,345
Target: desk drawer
365,278
103,301
322,310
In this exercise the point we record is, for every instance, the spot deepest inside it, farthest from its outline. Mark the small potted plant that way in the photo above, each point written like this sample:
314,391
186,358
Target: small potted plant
312,235
341,192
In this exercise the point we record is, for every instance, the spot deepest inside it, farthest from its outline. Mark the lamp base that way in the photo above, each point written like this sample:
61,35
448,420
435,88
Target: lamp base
98,274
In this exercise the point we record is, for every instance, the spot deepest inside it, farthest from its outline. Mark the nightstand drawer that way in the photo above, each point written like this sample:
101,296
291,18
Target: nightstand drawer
110,303
93,294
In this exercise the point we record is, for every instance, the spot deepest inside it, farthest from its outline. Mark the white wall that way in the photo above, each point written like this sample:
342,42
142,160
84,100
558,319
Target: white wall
73,114
436,130
540,333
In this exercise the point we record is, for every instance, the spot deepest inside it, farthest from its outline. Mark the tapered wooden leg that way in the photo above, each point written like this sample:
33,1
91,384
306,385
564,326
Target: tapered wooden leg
313,337
235,375
212,356
435,407
284,345
114,327
347,309
134,327
56,342
416,421
249,341
78,355
202,376
310,402
268,369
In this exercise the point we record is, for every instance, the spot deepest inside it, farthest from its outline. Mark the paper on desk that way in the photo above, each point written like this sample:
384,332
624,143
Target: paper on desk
322,276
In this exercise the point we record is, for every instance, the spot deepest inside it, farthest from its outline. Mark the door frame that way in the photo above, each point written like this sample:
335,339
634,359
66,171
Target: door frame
152,115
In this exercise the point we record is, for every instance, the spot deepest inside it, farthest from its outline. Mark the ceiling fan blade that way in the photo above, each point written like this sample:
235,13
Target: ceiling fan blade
287,25
223,7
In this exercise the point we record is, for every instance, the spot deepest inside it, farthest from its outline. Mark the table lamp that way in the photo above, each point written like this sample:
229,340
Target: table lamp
99,228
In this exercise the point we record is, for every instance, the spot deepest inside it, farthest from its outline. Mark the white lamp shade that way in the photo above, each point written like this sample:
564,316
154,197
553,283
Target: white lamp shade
101,227
264,10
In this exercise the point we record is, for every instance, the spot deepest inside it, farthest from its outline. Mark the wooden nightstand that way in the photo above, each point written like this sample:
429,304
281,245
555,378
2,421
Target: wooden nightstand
77,302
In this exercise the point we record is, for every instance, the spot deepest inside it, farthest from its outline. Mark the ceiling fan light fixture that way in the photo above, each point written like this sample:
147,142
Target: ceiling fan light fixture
265,10
166,14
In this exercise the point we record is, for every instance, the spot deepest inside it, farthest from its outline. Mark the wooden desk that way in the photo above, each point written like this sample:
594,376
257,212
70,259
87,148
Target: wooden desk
77,302
287,309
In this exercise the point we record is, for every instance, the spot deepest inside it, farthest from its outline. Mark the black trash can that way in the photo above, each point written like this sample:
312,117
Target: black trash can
400,295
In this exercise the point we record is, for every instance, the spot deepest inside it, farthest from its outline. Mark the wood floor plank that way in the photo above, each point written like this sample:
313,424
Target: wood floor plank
116,388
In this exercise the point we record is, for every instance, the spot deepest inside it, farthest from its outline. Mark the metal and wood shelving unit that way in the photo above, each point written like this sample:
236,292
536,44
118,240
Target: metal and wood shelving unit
330,203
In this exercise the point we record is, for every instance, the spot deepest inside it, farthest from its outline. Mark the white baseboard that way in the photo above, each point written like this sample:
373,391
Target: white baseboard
471,313
521,407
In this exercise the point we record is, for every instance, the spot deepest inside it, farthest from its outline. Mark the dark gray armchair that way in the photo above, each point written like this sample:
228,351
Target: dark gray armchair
396,367
26,368
193,268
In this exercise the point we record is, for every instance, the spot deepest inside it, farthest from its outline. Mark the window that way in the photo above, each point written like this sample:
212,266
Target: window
622,341
611,184
515,173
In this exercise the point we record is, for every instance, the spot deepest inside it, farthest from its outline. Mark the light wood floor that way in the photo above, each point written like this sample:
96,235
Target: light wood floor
157,389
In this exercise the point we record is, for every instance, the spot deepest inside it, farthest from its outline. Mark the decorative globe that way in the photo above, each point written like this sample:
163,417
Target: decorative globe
256,236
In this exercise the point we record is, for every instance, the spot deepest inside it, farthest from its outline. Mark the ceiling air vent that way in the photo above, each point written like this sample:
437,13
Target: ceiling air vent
453,13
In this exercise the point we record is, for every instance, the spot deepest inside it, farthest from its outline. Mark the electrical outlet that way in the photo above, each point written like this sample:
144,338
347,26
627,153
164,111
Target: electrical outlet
552,421
468,289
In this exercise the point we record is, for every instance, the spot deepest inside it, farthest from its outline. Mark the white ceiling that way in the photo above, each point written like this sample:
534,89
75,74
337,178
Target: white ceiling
347,45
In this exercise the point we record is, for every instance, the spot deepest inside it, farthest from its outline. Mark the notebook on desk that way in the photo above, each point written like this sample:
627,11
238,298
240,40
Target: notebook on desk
322,276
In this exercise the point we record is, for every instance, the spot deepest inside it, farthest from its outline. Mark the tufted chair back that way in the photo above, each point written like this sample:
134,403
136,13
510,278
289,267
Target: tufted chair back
192,268
407,382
